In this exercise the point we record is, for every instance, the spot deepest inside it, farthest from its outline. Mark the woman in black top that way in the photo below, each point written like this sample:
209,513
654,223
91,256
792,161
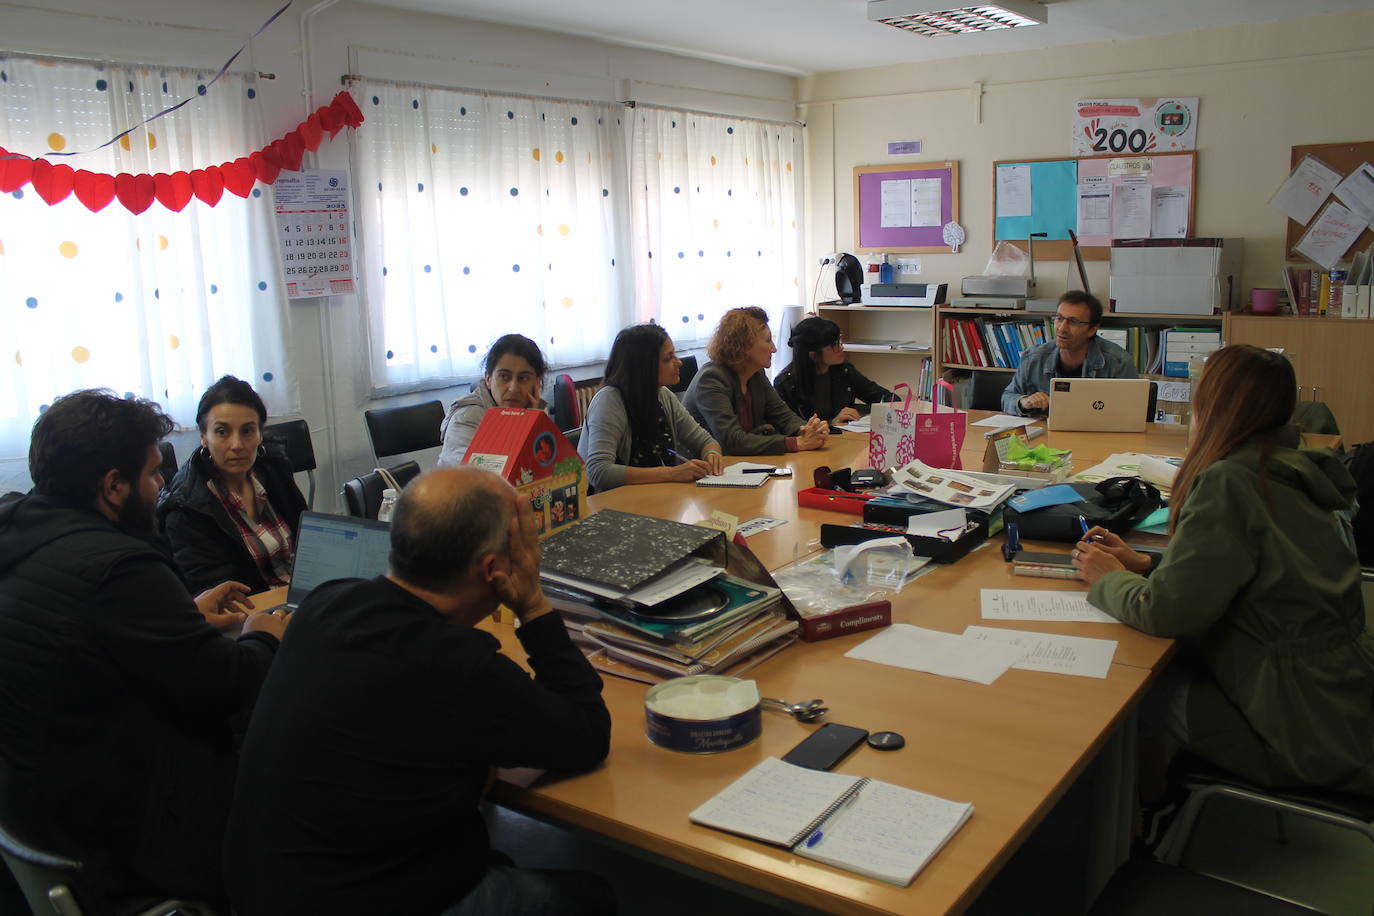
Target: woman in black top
820,380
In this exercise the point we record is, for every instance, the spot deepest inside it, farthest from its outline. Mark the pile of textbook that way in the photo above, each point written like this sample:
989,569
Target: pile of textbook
649,599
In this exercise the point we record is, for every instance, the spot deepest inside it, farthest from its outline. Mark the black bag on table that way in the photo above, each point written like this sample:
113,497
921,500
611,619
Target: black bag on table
1117,504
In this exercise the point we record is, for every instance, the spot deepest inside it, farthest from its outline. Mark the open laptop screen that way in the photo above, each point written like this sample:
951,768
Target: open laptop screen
337,547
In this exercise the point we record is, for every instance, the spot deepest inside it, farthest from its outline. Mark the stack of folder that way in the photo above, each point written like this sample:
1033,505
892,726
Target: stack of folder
649,599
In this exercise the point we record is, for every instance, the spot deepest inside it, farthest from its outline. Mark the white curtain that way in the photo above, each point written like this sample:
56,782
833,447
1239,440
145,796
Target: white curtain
714,203
483,215
157,305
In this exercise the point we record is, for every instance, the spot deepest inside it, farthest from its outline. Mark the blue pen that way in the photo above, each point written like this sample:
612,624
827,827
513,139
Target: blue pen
679,458
1083,523
815,838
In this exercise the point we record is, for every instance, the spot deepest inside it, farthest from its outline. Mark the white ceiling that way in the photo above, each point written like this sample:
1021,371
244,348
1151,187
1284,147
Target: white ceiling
814,36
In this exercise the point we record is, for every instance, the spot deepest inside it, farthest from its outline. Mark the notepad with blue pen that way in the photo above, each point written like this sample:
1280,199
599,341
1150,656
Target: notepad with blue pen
872,828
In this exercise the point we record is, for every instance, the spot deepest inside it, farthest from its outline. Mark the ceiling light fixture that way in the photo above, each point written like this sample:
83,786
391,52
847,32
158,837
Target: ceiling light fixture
931,20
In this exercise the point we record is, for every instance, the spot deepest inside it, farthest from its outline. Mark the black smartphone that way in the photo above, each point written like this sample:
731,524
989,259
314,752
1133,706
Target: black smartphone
826,746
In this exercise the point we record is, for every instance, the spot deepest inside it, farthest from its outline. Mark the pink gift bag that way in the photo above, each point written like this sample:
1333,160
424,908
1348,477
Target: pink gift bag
900,434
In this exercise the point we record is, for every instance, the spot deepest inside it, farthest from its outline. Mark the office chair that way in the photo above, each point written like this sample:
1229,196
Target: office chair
362,495
1204,782
397,430
686,374
1142,887
987,390
49,880
168,467
566,412
300,450
1315,417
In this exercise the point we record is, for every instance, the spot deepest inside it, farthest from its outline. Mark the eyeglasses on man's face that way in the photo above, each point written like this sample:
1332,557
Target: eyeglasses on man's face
1073,323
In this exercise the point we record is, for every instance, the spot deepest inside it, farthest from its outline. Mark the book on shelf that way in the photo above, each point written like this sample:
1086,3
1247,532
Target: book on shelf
872,828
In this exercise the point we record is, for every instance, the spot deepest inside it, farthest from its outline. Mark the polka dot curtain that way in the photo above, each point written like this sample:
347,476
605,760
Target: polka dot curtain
715,204
159,304
483,215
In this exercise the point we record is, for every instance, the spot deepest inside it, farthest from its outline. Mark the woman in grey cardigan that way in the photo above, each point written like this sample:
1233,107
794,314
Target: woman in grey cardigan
731,396
635,430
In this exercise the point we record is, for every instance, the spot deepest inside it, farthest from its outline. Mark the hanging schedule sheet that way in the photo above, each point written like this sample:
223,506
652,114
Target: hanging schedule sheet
313,229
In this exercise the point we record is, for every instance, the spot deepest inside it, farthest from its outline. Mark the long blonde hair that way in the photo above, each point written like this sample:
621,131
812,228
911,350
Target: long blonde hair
1243,391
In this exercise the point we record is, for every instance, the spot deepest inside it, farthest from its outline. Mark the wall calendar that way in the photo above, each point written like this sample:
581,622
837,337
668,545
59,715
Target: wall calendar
314,232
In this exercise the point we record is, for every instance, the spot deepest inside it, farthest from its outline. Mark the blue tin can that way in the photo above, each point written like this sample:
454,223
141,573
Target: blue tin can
736,720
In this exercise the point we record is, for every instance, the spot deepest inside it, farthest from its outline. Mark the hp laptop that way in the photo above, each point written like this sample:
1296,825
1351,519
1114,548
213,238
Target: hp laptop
1099,405
336,547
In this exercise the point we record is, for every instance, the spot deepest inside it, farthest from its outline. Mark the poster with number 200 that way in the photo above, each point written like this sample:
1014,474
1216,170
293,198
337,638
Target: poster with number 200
1104,127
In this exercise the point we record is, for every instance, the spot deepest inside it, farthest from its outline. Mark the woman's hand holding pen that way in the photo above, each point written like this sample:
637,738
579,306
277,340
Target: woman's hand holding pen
1102,551
692,469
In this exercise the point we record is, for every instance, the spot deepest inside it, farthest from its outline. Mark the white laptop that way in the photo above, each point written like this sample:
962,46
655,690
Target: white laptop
1099,405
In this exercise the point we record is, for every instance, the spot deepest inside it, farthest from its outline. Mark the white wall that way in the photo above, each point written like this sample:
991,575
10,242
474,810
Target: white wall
378,42
1263,89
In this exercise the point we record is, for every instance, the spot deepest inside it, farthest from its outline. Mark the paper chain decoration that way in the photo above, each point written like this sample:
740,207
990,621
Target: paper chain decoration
55,183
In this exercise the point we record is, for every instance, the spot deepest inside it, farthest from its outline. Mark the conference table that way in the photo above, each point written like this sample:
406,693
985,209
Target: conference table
1011,748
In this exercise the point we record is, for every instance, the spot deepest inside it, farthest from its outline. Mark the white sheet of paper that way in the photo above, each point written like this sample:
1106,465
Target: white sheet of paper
1303,191
1002,421
1094,209
1052,652
761,523
1038,604
1357,191
896,203
1331,235
1131,211
946,654
862,425
925,202
1013,190
948,524
1169,217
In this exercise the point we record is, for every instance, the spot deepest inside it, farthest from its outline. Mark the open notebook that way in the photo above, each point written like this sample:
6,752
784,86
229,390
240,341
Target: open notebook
872,828
742,474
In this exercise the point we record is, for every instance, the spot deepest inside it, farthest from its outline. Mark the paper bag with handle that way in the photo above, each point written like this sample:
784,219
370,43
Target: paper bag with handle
900,434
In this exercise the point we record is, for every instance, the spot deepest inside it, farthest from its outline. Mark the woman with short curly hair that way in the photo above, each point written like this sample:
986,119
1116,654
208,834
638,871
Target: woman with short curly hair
732,398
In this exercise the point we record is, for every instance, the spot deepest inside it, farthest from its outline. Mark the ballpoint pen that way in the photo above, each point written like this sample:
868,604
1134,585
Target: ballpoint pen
1083,524
1013,544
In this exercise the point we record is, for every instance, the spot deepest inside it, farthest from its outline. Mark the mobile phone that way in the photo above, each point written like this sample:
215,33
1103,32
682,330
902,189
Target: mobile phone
826,746
781,472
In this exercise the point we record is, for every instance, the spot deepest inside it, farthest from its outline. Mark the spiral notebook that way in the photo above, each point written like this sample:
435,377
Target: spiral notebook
871,828
746,474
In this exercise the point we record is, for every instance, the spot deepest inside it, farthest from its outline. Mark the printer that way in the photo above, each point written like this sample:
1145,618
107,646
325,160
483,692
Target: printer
912,295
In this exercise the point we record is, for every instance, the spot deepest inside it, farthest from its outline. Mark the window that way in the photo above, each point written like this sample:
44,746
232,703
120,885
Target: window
156,305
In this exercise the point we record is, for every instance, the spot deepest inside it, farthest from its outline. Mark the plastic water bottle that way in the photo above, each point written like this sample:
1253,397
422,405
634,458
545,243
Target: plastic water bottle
388,505
885,271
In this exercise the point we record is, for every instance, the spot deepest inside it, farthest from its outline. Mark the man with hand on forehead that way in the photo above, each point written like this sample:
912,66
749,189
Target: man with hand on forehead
1075,352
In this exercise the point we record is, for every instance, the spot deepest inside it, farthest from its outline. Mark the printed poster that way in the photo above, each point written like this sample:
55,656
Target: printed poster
1105,126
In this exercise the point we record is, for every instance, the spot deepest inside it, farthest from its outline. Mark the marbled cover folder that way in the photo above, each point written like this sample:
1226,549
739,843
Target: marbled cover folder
625,550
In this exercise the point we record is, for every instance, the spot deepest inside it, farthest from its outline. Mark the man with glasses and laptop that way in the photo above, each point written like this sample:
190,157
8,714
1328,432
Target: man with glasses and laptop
1075,352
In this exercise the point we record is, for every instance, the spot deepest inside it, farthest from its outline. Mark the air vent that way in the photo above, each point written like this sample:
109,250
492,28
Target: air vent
928,19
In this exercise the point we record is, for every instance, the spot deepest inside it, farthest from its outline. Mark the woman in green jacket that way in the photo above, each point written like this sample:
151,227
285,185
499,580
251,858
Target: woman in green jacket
1260,584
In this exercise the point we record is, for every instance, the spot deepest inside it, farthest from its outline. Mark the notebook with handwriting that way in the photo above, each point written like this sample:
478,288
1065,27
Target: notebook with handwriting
872,828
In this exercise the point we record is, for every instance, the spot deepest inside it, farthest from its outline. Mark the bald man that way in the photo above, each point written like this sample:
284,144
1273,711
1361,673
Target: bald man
371,745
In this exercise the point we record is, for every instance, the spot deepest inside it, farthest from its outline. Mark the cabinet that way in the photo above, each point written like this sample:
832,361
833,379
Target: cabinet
1333,362
911,327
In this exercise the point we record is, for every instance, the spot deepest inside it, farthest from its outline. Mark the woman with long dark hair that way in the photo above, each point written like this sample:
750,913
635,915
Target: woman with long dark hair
232,511
820,380
1261,585
635,430
512,376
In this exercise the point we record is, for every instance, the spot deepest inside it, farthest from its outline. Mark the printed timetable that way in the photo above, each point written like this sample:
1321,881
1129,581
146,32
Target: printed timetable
313,232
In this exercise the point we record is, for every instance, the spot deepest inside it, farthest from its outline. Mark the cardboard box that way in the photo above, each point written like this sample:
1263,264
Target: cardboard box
527,449
1175,276
852,619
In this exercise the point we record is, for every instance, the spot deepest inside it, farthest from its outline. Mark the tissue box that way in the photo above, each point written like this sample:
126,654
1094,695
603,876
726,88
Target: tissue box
1175,276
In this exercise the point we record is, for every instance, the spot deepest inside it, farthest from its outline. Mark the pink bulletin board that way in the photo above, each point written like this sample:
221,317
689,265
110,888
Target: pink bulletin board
870,236
1166,170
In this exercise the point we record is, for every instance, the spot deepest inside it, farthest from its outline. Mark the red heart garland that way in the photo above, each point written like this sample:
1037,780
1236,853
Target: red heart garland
239,176
266,164
353,115
208,184
331,119
173,191
15,173
290,149
135,192
311,132
52,182
94,189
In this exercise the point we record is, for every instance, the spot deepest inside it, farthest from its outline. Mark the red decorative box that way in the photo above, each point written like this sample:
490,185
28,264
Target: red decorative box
834,500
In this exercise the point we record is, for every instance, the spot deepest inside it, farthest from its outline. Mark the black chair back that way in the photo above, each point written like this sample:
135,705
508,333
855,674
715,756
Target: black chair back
300,450
168,467
987,390
565,412
362,495
397,430
686,374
